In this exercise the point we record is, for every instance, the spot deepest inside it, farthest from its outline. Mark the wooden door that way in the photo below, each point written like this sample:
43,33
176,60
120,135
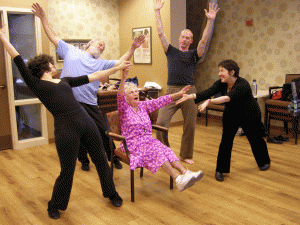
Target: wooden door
5,127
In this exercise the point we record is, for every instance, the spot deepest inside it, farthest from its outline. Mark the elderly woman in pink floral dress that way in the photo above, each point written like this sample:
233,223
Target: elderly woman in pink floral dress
146,151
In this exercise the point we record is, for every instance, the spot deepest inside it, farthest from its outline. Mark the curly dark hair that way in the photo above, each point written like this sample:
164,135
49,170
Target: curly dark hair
40,64
230,65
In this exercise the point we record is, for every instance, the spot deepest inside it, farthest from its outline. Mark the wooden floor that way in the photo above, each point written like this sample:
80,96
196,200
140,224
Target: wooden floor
247,196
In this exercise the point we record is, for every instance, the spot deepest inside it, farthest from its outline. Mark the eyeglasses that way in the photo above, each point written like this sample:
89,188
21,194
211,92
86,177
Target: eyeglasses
132,92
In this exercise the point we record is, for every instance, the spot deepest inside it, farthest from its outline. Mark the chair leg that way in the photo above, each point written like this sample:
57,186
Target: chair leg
297,125
295,129
268,127
286,127
266,116
206,117
171,182
142,172
132,184
111,160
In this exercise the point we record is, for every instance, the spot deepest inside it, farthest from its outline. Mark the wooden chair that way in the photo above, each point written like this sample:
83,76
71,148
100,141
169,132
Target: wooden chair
114,132
278,110
213,107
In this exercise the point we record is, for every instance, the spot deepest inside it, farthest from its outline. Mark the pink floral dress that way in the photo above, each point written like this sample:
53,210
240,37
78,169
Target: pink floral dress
145,151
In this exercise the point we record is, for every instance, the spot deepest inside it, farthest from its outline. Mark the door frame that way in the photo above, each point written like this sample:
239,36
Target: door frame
19,144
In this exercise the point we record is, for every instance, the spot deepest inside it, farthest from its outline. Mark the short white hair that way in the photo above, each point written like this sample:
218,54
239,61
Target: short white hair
129,85
91,42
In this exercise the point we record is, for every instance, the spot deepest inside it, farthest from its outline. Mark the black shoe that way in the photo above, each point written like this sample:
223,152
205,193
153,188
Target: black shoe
282,139
265,167
85,167
117,163
219,176
53,213
116,200
273,140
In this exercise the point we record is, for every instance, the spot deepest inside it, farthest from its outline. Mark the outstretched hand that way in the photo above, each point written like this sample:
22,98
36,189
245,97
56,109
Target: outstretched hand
125,65
213,10
184,90
183,99
203,106
138,41
183,94
158,4
38,11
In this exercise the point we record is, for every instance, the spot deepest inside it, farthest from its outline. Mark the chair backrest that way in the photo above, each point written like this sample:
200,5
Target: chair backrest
113,120
290,77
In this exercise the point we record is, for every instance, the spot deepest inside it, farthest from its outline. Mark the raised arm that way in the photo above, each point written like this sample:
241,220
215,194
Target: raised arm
137,41
207,33
122,82
158,4
104,74
7,45
39,12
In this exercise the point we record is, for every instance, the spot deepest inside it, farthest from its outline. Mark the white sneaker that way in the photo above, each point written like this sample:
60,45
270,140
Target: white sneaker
196,175
184,181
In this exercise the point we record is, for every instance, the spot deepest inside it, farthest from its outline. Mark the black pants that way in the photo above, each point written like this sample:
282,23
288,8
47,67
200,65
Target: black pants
96,114
254,133
71,130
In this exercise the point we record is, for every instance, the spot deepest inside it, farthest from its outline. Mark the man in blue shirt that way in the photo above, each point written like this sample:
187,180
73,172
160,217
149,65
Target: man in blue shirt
78,62
181,68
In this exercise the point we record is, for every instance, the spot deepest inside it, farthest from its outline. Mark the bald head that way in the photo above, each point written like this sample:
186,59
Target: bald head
185,40
95,47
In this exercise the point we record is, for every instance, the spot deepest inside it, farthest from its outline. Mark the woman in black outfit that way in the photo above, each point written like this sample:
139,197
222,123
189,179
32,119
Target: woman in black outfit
241,110
71,121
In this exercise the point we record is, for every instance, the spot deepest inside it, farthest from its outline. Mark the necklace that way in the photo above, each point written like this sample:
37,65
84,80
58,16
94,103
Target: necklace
142,121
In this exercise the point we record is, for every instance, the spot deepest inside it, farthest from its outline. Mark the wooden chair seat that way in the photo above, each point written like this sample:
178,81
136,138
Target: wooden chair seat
123,157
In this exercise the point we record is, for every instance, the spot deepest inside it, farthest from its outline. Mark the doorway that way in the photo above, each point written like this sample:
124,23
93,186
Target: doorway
27,115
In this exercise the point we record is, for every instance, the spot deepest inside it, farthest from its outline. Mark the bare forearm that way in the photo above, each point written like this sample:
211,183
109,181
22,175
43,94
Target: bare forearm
159,24
220,100
49,32
9,47
204,42
102,74
127,56
160,31
121,86
175,96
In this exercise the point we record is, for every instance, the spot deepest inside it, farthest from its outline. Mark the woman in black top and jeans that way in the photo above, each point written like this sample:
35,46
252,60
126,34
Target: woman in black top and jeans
241,110
71,121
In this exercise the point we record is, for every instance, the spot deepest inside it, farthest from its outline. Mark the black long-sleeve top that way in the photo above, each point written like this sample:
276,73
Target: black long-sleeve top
242,104
58,98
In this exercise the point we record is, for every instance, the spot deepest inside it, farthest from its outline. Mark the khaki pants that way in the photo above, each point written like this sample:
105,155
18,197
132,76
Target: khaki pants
189,113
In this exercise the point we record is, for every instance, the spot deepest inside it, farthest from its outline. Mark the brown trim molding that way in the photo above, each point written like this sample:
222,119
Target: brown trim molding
6,142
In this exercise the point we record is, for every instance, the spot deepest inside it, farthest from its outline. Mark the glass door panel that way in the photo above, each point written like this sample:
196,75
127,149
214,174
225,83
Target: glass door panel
28,121
22,37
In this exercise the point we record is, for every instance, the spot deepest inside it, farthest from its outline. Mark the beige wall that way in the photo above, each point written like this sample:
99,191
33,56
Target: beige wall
140,13
81,19
265,51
